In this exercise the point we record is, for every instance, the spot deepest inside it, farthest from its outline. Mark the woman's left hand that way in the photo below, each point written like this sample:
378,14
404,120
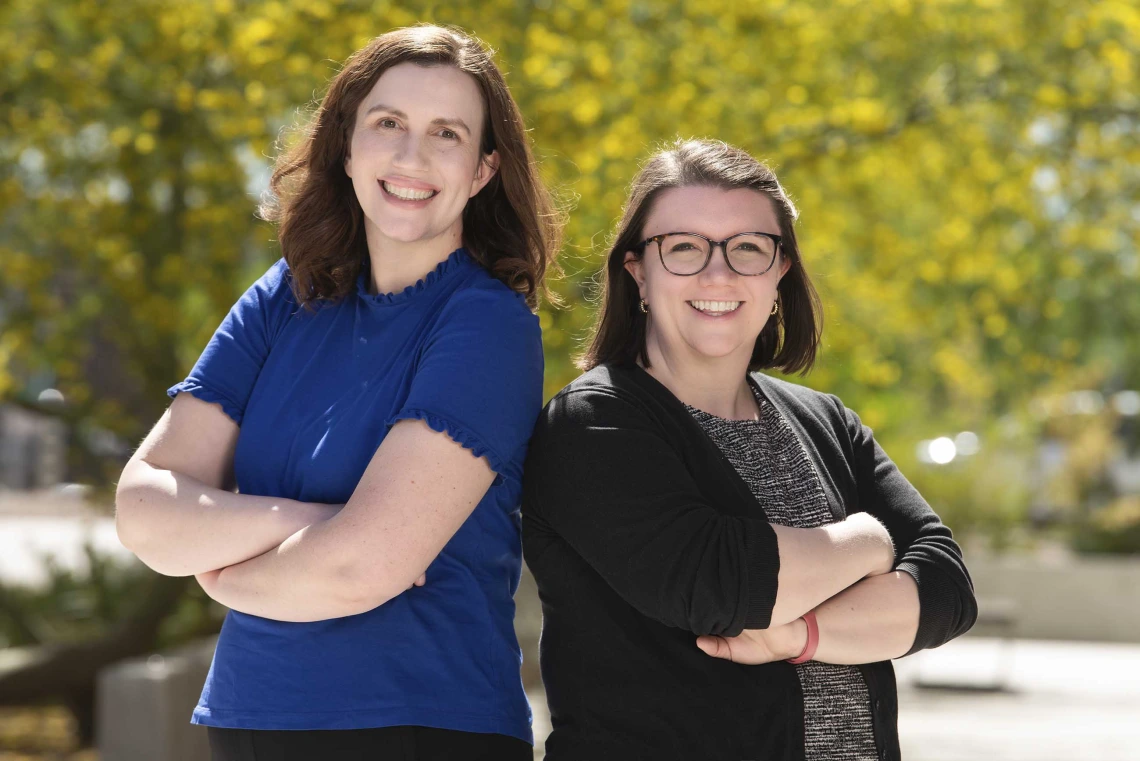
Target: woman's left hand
756,646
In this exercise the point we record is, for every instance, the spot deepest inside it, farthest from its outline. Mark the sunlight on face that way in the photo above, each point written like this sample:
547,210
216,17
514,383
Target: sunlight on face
414,154
715,313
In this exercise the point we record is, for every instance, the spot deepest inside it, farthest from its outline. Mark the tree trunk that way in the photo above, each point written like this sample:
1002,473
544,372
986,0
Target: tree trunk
65,673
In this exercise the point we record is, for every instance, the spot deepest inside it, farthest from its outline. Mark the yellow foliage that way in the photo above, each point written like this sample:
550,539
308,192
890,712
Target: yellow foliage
966,187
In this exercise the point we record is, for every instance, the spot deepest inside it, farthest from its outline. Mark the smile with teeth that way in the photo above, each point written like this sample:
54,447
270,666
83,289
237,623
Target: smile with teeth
715,307
408,194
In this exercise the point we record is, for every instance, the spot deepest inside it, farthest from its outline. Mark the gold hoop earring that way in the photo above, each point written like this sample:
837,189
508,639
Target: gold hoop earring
776,306
644,307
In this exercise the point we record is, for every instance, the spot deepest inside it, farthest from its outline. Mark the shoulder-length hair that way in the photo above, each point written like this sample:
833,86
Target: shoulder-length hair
510,227
788,340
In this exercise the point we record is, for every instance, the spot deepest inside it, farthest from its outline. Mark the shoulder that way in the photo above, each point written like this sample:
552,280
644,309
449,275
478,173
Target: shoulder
607,395
277,293
607,380
277,282
278,273
273,291
482,301
488,329
269,301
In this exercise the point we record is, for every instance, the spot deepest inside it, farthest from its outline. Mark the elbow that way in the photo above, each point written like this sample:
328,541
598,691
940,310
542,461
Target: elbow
961,620
134,505
724,601
128,514
724,616
968,615
363,585
133,530
947,609
965,605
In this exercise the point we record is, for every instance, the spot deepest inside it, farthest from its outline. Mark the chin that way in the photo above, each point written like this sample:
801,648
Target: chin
716,349
406,236
404,233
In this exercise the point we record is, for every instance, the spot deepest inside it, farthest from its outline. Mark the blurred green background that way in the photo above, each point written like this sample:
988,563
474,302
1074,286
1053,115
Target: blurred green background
968,176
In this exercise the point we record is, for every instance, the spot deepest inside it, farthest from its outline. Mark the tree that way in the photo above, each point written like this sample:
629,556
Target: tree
966,170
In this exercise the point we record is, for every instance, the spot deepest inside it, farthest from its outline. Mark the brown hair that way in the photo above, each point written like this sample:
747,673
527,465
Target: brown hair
510,227
788,340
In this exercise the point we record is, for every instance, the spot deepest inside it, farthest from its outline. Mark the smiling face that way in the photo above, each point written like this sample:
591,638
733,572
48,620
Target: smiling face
414,155
715,313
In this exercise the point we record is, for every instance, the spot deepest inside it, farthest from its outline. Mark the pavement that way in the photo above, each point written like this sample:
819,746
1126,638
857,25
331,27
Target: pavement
1060,701
987,699
27,541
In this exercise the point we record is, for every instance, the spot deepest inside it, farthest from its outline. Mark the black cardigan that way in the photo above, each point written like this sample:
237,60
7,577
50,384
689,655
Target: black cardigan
641,535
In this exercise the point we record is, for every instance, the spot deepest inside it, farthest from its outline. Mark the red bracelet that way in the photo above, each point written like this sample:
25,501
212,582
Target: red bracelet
812,640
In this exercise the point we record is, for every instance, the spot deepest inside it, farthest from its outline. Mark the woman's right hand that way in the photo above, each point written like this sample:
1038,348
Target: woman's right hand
757,646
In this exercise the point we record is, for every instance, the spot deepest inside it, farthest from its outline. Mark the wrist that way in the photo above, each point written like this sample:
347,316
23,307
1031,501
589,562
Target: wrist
809,649
302,514
795,639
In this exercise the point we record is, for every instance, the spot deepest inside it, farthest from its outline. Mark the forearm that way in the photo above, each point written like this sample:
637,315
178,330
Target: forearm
874,620
297,581
817,564
415,494
179,526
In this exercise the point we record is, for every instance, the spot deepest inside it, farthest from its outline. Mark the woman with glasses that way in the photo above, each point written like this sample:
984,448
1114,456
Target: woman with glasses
727,562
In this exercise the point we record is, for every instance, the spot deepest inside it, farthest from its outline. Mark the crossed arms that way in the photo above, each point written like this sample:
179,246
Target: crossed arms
284,559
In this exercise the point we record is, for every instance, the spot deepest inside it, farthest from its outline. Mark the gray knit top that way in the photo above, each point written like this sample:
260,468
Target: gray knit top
774,464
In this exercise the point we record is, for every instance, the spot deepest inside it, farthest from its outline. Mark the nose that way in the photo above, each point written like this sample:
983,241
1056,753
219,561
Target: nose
717,270
409,153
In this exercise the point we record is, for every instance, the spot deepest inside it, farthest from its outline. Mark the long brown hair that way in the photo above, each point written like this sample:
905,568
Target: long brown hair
510,227
788,340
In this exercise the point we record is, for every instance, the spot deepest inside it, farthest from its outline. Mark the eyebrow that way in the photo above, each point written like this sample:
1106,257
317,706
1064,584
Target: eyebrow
454,121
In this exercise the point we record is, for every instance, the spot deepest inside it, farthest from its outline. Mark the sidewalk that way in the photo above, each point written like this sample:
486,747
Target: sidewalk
26,540
1062,701
1065,701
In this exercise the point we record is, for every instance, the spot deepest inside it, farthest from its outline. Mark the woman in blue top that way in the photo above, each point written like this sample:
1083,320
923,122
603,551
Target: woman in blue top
371,398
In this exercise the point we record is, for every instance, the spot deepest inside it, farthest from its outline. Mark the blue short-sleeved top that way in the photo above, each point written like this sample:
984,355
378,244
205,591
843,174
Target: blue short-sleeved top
315,392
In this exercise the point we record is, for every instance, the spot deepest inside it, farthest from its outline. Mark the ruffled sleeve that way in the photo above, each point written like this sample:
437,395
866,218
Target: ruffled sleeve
228,367
479,376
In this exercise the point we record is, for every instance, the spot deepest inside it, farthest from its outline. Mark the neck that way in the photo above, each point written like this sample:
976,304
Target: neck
716,385
398,264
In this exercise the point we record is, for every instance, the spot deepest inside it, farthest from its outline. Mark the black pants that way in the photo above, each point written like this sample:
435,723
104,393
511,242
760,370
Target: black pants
384,744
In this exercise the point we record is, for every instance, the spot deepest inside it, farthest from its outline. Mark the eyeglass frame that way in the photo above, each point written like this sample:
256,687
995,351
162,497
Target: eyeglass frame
640,247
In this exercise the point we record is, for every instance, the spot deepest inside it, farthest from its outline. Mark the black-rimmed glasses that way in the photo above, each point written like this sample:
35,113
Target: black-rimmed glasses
686,254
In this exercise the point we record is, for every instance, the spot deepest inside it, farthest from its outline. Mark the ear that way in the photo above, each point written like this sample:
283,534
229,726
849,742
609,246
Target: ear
632,265
488,166
785,265
348,164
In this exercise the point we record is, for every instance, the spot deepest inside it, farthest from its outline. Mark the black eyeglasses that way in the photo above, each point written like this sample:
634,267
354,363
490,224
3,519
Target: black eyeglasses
685,254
